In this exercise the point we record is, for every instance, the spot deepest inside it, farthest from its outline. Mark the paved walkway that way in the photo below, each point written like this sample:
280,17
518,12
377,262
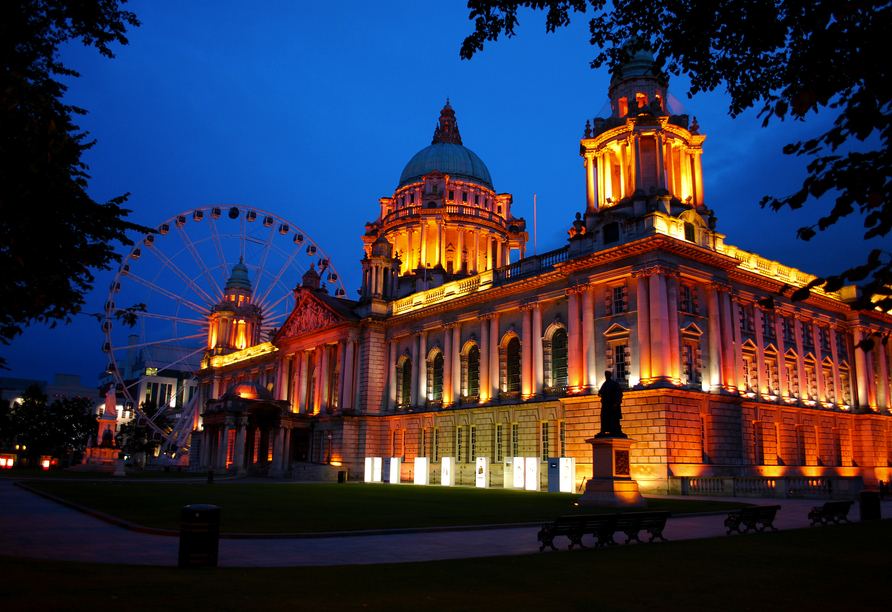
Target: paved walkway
31,526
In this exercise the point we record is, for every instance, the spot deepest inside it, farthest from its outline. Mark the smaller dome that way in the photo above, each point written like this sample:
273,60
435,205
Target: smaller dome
250,390
239,278
641,64
382,247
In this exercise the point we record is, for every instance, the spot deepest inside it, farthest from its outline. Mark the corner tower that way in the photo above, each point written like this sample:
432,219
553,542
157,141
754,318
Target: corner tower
642,157
445,220
234,323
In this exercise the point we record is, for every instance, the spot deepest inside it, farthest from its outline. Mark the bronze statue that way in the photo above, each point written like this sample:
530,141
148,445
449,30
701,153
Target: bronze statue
611,408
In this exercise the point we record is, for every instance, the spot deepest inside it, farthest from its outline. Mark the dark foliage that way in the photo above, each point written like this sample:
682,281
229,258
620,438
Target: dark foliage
53,235
790,57
49,429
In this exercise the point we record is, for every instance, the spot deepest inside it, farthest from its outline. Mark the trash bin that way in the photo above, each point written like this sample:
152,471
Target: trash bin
342,476
199,536
869,503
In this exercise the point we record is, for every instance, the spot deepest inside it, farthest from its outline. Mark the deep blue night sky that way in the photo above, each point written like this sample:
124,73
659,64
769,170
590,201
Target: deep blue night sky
311,110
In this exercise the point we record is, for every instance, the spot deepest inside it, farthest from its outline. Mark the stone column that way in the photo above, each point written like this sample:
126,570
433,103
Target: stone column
637,154
417,360
819,362
390,368
286,449
485,388
347,374
476,259
325,379
715,340
674,329
800,358
574,341
834,355
698,177
239,452
207,440
422,365
591,206
447,363
303,403
276,465
223,448
590,379
341,357
537,350
728,339
883,381
760,352
494,374
737,314
526,360
457,263
659,329
456,362
422,250
643,306
781,354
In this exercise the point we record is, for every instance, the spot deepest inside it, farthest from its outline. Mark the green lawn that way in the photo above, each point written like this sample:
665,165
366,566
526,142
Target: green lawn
283,508
26,473
828,568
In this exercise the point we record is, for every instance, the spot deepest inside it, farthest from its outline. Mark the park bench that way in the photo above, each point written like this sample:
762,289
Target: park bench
831,511
631,523
571,526
602,527
750,517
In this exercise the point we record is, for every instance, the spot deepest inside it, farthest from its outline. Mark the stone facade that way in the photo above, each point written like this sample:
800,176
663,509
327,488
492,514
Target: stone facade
454,351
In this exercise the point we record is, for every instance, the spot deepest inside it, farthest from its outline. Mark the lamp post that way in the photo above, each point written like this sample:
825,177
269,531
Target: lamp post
329,447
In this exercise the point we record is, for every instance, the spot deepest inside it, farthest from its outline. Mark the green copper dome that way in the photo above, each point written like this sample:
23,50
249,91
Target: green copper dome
239,278
447,155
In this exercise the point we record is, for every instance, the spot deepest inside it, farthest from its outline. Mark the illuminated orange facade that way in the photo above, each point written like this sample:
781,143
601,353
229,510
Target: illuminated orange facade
457,349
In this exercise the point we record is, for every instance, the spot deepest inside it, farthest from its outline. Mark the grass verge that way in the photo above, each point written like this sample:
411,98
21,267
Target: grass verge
830,568
291,508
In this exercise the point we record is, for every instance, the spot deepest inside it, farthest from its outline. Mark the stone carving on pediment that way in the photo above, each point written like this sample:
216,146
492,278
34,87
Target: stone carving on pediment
312,316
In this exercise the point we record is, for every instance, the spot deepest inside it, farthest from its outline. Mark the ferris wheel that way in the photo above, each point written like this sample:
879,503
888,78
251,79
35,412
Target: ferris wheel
178,274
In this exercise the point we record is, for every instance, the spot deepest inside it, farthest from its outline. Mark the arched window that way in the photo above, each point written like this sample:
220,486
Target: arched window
559,358
437,377
474,371
404,383
512,366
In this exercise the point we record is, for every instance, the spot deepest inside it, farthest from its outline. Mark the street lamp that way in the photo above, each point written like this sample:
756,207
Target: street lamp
329,447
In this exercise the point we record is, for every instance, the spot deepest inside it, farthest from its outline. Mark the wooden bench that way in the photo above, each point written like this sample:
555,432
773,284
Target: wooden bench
602,527
831,511
750,517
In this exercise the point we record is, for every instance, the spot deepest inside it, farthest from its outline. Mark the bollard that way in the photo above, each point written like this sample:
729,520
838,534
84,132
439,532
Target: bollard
210,476
199,536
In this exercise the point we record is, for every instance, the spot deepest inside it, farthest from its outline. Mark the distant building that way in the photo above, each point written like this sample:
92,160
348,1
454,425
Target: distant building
457,349
63,386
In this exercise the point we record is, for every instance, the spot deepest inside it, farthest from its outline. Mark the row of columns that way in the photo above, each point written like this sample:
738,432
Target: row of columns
295,372
686,180
215,450
485,249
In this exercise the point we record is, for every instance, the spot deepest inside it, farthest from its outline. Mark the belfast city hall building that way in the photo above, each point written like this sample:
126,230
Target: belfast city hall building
462,345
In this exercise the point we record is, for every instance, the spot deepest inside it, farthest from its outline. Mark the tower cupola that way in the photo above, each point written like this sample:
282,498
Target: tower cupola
235,322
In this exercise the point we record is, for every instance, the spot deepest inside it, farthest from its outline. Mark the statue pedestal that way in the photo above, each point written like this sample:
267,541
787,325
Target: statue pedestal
611,485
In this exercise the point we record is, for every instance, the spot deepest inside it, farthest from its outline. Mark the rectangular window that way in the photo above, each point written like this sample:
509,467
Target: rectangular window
256,446
686,301
499,454
472,444
424,448
563,439
476,199
459,444
435,444
545,441
451,194
411,198
768,327
808,337
515,440
616,300
464,196
621,362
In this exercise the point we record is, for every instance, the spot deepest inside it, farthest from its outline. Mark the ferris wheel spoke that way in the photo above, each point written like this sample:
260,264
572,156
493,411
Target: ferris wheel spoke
276,303
278,277
152,315
176,270
154,287
215,235
267,245
200,262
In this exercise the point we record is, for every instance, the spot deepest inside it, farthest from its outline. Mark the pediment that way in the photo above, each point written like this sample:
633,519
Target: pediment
310,315
616,330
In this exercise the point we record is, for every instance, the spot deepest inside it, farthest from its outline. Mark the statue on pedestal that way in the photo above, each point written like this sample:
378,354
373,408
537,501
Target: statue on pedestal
611,408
